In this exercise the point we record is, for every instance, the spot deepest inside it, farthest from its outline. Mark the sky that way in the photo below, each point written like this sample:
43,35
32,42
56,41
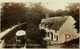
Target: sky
55,6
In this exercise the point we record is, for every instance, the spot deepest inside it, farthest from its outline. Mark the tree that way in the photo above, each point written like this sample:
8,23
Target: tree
36,34
36,13
74,12
20,12
59,12
12,13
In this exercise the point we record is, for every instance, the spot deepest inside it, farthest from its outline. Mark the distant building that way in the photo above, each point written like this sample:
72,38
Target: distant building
59,29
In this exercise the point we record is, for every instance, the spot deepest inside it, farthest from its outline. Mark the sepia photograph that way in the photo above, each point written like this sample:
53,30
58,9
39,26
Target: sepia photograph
39,25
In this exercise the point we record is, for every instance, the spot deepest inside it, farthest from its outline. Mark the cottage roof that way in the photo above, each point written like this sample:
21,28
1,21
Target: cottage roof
54,22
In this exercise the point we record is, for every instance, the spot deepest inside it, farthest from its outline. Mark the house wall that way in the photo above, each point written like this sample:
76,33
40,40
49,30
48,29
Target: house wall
67,31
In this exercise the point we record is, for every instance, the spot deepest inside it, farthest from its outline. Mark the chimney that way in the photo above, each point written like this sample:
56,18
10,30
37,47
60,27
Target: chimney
47,15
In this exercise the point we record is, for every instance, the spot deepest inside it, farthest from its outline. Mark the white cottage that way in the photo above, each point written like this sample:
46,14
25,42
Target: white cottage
59,29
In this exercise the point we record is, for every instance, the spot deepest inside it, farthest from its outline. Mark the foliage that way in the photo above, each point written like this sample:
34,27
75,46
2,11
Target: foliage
74,12
12,13
36,34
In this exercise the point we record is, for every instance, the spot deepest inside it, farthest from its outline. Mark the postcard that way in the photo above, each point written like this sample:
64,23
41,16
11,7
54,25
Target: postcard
43,24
